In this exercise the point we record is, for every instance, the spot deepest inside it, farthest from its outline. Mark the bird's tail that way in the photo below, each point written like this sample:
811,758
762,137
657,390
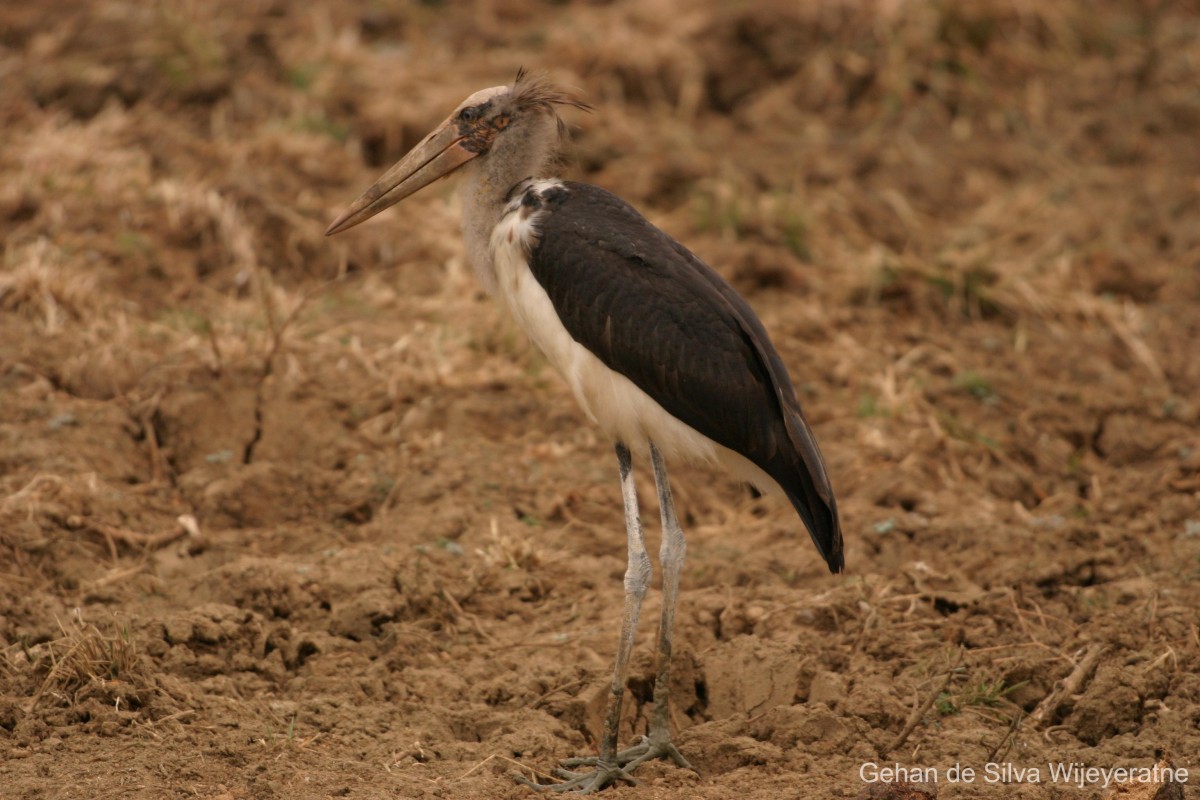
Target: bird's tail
807,487
823,525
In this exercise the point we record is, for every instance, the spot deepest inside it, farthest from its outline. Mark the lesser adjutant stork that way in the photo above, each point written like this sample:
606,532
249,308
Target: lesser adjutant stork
658,349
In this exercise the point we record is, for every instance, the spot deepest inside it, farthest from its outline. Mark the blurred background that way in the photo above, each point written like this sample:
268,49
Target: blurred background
312,515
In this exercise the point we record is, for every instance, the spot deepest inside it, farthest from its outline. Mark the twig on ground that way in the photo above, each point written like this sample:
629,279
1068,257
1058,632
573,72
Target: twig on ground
1070,685
563,688
1007,738
919,712
149,541
117,576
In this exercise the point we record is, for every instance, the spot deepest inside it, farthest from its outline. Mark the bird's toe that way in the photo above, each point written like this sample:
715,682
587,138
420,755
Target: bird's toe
605,774
648,750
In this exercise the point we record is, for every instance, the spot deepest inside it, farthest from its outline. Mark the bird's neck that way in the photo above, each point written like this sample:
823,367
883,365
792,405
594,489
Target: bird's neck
483,205
487,181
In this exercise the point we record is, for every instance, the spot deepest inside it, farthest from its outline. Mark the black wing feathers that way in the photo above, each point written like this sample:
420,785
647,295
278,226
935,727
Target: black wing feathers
624,289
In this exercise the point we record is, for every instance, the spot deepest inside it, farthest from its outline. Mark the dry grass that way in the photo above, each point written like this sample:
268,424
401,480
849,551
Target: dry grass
40,287
87,662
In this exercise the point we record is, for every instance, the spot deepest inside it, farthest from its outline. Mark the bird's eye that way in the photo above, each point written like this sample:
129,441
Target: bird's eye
469,114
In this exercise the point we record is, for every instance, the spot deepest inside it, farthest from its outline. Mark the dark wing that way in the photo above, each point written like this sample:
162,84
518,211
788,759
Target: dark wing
625,290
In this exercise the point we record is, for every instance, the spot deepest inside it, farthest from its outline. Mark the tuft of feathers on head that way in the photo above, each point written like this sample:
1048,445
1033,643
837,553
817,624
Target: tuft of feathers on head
537,91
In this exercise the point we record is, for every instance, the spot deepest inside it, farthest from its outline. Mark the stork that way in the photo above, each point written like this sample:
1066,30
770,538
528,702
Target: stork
658,349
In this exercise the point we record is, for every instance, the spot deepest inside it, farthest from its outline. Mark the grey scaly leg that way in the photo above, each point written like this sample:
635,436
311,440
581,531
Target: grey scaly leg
637,578
674,547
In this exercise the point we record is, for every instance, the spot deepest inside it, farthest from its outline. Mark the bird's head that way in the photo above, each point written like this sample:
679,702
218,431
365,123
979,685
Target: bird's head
512,122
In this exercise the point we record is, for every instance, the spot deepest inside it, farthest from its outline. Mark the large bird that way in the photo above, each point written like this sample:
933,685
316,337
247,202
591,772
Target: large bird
658,349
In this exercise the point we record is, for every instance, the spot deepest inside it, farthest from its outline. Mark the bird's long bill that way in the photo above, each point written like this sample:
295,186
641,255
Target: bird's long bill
439,154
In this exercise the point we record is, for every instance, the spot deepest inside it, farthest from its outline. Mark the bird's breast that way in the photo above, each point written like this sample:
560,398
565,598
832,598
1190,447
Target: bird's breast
512,242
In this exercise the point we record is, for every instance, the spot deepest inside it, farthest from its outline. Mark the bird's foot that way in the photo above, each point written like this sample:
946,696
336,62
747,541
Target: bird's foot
605,774
649,748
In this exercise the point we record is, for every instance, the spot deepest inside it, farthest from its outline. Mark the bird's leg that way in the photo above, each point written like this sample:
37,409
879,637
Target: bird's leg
674,547
608,768
637,578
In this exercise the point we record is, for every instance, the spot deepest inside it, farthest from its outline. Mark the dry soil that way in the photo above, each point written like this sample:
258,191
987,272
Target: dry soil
286,517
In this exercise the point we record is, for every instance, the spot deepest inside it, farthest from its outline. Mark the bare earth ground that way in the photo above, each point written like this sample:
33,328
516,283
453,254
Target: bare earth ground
283,516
